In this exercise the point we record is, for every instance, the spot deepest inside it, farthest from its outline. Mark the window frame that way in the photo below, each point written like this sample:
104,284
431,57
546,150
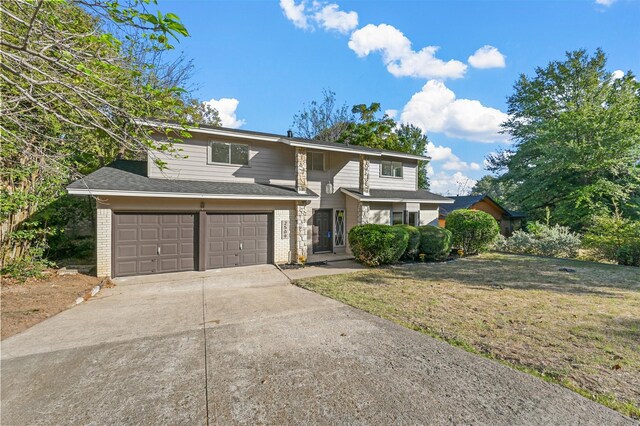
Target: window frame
310,154
229,145
393,168
393,215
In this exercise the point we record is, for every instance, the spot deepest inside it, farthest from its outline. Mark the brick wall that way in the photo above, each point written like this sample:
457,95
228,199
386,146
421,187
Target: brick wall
103,242
284,229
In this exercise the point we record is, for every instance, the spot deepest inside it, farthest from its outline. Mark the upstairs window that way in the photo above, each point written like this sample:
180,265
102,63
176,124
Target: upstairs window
229,153
315,161
391,169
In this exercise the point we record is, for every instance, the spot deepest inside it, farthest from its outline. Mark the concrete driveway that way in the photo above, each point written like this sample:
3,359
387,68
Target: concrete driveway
245,346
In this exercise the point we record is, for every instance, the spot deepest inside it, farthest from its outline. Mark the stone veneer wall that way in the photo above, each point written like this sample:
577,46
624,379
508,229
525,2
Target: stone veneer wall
301,170
363,181
301,232
363,213
103,242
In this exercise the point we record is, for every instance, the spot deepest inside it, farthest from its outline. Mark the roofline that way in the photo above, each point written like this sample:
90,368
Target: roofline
395,200
243,134
148,194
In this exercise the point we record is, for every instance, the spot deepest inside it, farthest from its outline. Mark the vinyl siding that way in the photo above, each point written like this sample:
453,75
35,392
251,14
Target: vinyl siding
408,182
268,163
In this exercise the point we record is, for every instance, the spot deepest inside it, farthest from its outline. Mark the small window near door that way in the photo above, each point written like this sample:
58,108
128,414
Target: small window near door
315,161
339,227
397,218
229,153
391,169
413,218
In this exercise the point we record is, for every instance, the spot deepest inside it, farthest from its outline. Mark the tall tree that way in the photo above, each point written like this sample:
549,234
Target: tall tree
369,130
412,140
576,129
323,120
72,97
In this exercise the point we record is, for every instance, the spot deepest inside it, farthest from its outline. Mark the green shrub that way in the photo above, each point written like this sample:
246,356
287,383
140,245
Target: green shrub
435,242
413,246
629,254
541,240
375,245
615,239
473,231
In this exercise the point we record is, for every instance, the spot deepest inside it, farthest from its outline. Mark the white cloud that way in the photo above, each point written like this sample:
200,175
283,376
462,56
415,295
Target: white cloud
328,16
226,108
436,109
392,113
452,161
332,18
617,74
605,2
447,184
487,57
295,13
398,56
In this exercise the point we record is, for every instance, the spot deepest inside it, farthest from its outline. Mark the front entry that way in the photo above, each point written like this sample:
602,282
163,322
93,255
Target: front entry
322,227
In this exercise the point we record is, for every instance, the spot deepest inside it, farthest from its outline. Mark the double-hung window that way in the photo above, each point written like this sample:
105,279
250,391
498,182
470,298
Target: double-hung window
229,153
315,161
391,169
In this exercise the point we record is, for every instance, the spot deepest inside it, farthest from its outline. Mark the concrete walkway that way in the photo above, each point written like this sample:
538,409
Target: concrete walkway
243,346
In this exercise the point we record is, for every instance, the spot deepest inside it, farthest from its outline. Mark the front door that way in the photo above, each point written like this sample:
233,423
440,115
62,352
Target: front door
322,227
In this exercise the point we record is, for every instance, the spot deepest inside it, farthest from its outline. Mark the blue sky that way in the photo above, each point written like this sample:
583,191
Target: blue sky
446,66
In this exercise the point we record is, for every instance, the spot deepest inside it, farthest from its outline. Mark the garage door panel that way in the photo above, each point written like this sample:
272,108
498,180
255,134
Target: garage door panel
127,234
138,236
237,239
148,234
149,219
129,219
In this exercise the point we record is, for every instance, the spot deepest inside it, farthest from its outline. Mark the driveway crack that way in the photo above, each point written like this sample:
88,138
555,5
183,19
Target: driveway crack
206,373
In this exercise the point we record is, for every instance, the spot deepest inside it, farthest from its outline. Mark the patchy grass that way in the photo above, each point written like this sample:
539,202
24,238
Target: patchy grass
580,329
26,303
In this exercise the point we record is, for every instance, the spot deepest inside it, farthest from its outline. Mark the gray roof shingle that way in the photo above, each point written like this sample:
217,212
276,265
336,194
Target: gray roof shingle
128,175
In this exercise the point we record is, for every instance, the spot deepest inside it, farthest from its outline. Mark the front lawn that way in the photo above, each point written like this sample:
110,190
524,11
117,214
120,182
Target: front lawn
580,329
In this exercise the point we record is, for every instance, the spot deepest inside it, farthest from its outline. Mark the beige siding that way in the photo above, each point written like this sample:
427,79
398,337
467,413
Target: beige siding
408,181
380,213
268,163
352,217
428,213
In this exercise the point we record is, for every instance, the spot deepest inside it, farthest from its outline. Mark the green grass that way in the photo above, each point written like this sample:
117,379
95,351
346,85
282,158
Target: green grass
580,330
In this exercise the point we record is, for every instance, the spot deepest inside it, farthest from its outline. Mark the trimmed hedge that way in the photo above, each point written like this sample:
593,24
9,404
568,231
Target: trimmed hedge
413,245
473,231
435,242
375,245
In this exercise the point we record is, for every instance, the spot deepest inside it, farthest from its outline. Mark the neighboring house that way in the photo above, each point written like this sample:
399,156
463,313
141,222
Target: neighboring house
238,197
509,221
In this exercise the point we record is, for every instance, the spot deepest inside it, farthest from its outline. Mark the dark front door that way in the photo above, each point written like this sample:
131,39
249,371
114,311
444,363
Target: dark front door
151,243
322,228
237,239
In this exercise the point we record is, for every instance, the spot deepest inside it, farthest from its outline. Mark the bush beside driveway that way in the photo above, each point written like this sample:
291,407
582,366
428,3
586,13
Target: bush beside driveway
579,329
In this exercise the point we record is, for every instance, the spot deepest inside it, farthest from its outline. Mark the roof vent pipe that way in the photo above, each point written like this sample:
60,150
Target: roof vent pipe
289,133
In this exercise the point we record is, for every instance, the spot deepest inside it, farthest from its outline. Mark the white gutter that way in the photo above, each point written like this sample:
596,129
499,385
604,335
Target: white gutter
116,193
396,200
281,139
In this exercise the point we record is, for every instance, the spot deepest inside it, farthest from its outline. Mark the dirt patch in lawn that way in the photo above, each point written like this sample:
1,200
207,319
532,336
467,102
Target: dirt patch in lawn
579,328
24,304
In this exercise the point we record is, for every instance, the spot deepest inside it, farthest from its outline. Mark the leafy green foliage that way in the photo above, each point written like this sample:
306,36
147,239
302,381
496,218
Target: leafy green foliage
435,242
474,231
322,120
412,140
614,238
577,141
542,240
73,95
374,245
413,244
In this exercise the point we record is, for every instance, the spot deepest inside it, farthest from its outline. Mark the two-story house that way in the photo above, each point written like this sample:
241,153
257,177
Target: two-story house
236,197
